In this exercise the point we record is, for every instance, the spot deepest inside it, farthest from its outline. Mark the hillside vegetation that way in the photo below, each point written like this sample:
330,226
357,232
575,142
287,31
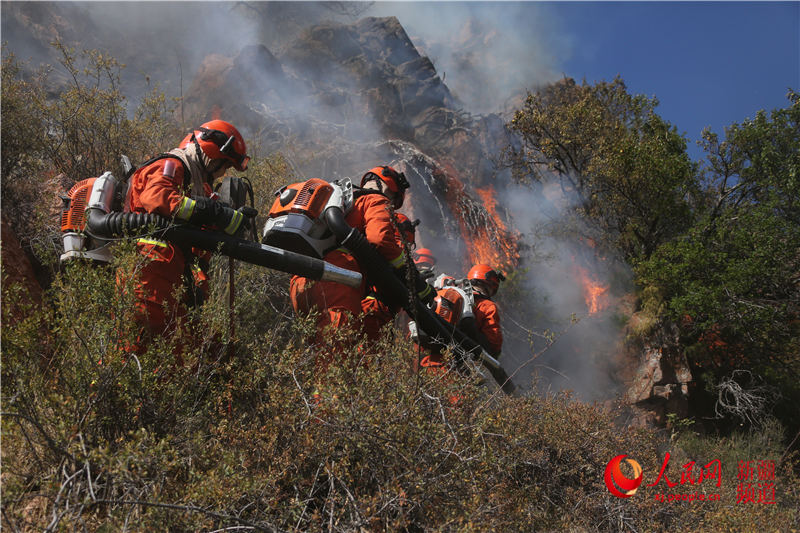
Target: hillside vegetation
233,438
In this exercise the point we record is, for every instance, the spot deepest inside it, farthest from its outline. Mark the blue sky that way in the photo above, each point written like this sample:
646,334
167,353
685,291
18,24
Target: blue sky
708,63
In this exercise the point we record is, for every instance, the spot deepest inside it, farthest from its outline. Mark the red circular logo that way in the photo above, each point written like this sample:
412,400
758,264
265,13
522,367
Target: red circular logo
614,476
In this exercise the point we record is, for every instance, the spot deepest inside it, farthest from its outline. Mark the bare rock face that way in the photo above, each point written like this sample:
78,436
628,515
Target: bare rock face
660,385
376,61
339,87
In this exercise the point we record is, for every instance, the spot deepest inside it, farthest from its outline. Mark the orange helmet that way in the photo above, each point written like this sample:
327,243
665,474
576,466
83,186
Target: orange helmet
220,140
424,258
486,274
396,181
186,140
408,228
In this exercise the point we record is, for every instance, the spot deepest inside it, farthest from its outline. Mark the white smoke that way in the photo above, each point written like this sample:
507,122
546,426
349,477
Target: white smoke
579,353
486,52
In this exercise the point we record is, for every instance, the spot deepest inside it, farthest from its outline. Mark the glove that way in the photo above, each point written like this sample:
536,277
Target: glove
204,211
417,335
425,293
249,224
413,332
426,273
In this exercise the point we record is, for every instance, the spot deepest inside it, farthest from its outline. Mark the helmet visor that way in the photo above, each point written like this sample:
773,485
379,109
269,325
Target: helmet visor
225,144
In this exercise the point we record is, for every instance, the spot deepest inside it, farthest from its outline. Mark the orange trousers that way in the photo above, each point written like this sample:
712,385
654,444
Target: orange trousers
160,284
338,304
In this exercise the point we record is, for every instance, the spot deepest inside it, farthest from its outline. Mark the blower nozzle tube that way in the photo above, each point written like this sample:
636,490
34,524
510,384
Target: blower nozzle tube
115,224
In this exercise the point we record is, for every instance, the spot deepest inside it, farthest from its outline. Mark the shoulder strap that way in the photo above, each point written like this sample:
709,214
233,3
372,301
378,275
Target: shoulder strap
358,192
478,296
187,176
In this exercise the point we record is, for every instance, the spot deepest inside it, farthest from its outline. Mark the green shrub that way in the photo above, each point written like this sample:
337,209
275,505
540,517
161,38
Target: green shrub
55,136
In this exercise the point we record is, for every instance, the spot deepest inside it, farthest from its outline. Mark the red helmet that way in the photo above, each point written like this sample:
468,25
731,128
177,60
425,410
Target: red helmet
486,274
220,140
408,227
396,181
424,258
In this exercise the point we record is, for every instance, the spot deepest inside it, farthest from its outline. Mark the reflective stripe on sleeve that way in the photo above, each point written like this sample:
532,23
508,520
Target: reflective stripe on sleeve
236,221
185,209
425,291
160,244
398,261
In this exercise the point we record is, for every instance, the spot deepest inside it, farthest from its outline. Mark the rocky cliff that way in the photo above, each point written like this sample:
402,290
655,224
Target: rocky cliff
341,97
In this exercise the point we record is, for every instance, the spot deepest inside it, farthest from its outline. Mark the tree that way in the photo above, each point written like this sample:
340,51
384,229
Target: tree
733,280
627,167
24,138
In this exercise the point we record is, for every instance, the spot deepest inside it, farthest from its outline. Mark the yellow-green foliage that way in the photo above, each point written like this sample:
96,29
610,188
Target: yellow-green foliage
644,321
98,439
54,136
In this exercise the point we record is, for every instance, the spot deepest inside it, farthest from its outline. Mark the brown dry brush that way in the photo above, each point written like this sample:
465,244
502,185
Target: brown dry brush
243,442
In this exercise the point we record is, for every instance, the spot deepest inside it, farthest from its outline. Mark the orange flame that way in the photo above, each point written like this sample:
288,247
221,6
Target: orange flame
499,249
487,240
594,293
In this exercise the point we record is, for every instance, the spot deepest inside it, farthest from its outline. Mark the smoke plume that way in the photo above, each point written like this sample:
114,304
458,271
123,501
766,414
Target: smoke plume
316,89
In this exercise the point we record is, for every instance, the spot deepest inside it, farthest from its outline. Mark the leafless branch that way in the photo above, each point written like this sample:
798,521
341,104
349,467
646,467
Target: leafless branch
747,404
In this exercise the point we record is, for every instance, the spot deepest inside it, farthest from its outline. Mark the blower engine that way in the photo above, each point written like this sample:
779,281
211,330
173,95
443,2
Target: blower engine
295,220
461,290
93,219
449,304
452,304
87,194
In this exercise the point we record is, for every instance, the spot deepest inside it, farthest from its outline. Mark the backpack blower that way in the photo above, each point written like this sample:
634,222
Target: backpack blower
92,220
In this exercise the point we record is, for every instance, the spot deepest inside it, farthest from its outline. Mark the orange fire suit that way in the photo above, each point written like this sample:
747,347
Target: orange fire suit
336,302
160,188
487,322
376,313
485,330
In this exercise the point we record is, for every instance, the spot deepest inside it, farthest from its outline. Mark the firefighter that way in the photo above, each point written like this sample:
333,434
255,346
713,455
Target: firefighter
376,313
178,185
485,329
382,190
424,260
